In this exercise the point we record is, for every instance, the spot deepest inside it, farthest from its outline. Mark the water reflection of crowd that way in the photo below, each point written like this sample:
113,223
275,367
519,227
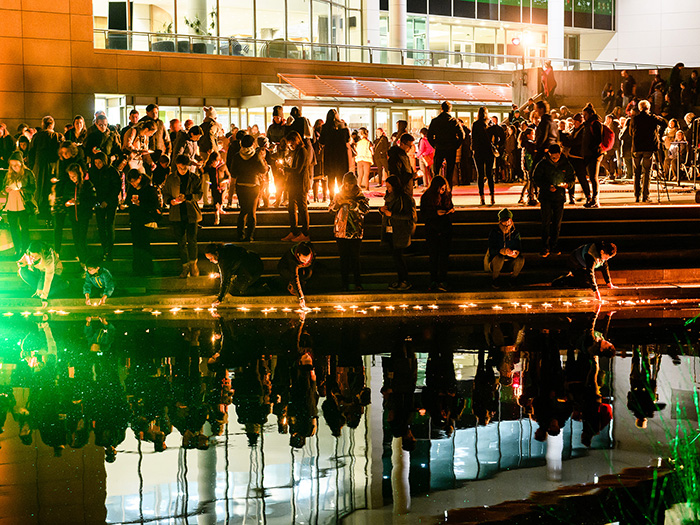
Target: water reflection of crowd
186,380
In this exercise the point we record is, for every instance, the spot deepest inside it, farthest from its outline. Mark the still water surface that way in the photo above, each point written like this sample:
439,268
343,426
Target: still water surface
123,419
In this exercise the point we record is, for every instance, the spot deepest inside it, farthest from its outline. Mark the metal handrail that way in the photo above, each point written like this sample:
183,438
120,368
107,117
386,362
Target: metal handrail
254,47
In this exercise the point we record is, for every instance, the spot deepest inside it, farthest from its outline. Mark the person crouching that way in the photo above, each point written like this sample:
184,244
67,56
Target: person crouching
239,269
583,262
97,277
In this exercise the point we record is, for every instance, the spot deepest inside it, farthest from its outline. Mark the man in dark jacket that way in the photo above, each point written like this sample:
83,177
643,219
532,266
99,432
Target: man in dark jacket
546,133
592,151
574,141
142,199
583,262
239,269
44,163
381,156
400,162
445,134
102,139
552,176
645,129
275,133
504,248
295,267
108,187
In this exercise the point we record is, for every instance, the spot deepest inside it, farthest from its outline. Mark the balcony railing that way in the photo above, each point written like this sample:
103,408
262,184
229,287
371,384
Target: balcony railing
286,49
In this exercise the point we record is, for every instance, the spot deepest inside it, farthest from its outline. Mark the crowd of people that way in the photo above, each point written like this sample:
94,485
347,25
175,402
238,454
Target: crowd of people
147,168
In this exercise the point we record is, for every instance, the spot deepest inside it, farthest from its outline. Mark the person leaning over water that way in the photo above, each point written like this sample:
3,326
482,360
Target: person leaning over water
296,267
239,269
583,262
41,268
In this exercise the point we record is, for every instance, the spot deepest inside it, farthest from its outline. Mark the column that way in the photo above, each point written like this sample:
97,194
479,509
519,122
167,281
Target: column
555,29
370,25
397,23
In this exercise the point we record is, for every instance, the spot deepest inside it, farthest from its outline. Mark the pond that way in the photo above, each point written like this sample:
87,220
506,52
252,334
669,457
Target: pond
288,418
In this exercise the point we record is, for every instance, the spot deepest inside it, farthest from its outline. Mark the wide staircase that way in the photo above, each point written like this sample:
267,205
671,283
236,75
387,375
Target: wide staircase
650,240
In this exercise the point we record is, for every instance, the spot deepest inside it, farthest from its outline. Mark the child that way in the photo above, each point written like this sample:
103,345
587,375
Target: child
97,277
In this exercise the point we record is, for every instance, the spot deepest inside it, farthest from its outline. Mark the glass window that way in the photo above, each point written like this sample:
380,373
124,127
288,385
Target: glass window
356,118
256,117
603,14
355,27
321,22
485,39
236,18
441,7
114,107
194,114
487,9
154,16
314,113
223,117
198,17
539,12
510,10
298,16
416,121
270,20
381,120
338,24
464,8
583,13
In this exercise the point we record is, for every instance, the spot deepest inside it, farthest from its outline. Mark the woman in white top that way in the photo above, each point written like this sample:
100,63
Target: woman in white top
17,191
41,268
365,153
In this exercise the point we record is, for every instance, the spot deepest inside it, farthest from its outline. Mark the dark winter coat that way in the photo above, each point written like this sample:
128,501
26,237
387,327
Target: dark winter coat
190,185
645,129
445,132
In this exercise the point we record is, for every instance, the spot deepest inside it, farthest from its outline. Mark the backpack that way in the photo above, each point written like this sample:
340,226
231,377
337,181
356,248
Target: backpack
607,140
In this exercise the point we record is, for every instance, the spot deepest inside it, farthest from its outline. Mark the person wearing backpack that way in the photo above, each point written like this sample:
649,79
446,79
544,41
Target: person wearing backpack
592,149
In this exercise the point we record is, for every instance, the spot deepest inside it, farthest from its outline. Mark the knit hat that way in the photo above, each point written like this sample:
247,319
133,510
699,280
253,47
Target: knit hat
16,155
504,215
210,112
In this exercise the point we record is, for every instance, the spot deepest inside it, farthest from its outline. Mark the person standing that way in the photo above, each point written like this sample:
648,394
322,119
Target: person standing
398,226
592,151
43,154
135,145
426,157
552,175
108,187
142,200
182,191
546,133
504,250
75,199
644,129
335,139
549,83
574,141
102,139
400,164
363,159
248,169
350,207
211,131
217,175
275,134
18,189
381,156
133,120
445,135
483,148
437,210
78,133
628,87
159,142
298,182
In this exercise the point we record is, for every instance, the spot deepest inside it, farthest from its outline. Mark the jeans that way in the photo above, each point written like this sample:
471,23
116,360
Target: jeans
142,263
349,250
19,229
642,173
79,227
552,215
484,167
579,166
105,227
298,209
248,198
399,261
592,170
438,244
501,261
449,156
186,236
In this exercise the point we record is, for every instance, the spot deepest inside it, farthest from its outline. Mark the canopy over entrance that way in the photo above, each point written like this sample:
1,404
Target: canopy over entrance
335,87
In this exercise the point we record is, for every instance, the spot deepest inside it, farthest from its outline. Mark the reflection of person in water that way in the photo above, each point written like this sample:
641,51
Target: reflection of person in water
440,395
346,393
400,376
99,334
486,392
149,393
642,399
551,406
109,408
303,395
189,412
252,387
7,403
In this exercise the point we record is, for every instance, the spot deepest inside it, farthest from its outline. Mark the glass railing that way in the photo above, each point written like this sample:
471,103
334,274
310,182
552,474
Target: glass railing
286,49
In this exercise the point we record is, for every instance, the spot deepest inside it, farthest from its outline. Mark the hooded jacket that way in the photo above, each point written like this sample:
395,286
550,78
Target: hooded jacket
548,174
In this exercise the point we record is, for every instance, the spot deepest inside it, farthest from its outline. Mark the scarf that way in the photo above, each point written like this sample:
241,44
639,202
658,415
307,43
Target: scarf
247,153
